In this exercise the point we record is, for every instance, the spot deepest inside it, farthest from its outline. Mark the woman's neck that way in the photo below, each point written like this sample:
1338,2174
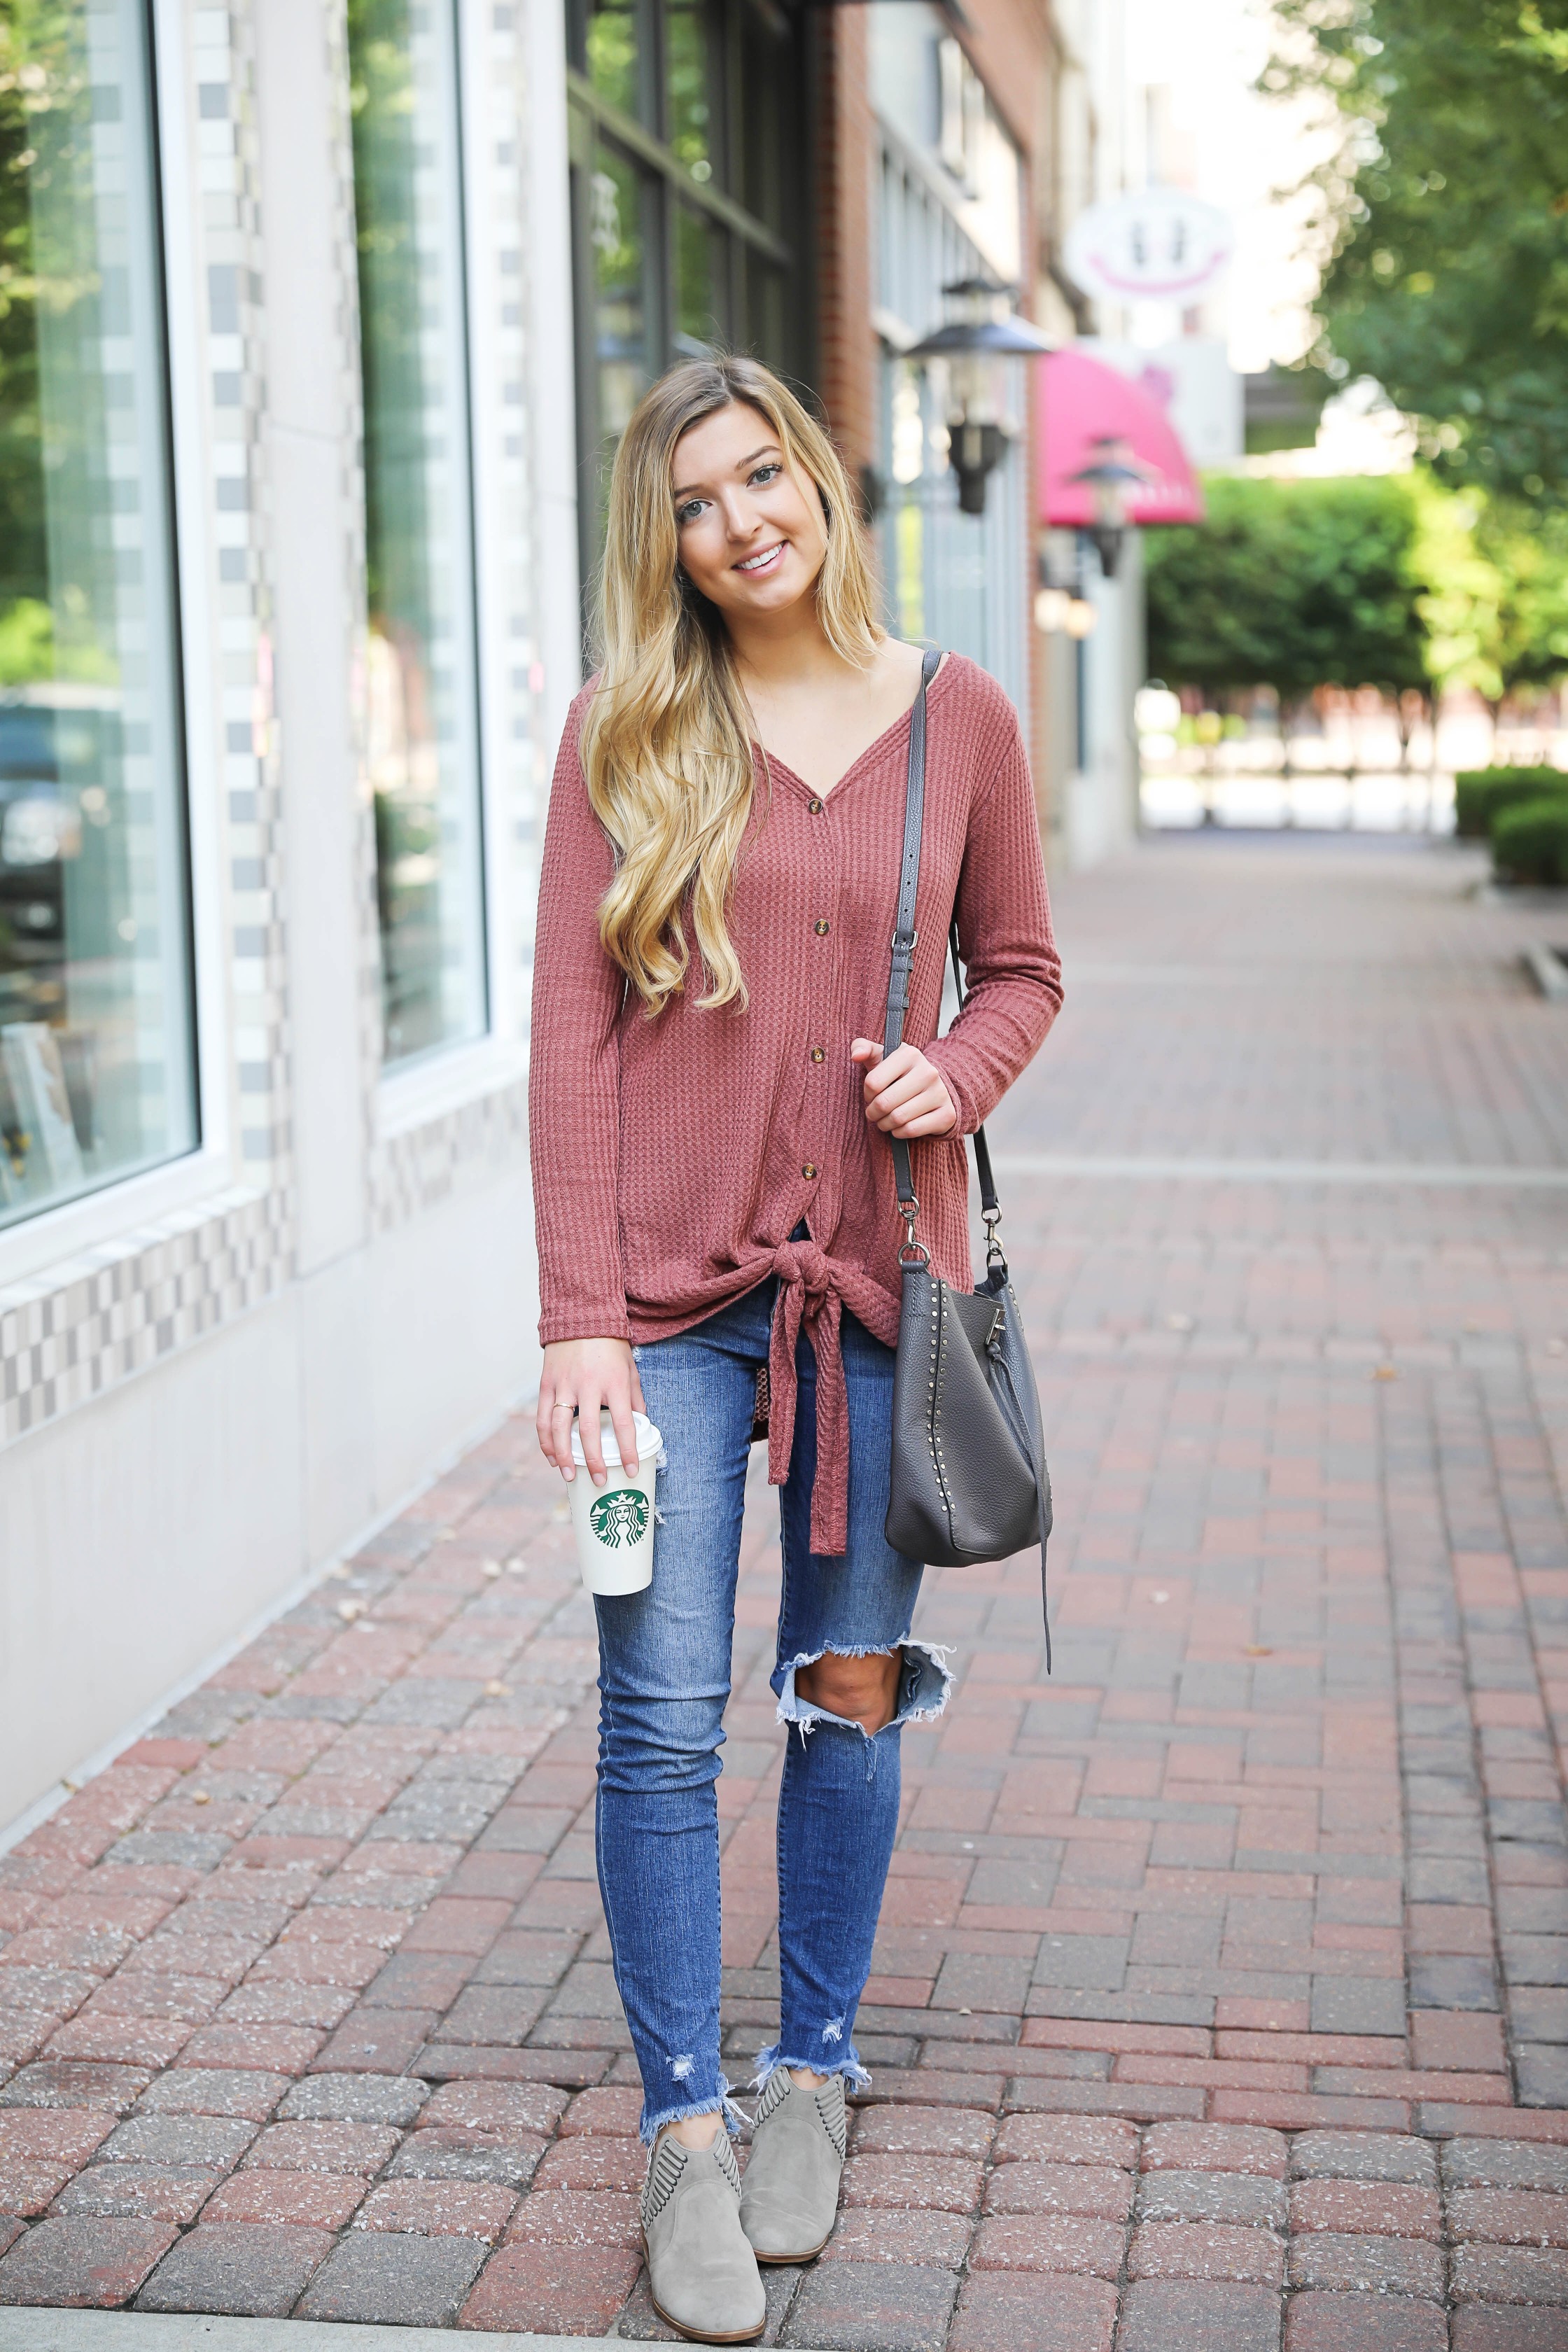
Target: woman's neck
780,650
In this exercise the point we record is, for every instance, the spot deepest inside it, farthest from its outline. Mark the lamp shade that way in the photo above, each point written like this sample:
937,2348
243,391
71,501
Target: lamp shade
983,321
1008,338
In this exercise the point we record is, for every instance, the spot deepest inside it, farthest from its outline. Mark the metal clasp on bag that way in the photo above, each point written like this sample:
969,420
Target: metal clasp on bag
912,1252
994,1254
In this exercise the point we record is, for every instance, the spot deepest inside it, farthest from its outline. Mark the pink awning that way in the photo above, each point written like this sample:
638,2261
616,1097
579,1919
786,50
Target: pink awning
1079,402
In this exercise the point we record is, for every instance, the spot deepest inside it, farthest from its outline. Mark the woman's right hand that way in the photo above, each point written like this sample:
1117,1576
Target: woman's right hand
583,1377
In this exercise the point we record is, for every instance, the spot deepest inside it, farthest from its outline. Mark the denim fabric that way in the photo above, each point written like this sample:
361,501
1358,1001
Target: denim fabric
665,1656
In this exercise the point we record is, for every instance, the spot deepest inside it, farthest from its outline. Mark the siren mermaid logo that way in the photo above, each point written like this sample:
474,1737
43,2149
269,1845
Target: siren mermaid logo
620,1517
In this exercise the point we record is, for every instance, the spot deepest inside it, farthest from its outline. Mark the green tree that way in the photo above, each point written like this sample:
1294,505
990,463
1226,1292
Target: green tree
1494,599
1392,580
1446,219
1293,585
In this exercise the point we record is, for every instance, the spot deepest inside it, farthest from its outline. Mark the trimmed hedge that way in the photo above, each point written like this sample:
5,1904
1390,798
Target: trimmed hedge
1530,842
1482,794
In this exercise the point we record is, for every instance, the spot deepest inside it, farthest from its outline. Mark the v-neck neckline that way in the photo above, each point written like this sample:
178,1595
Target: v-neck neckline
775,765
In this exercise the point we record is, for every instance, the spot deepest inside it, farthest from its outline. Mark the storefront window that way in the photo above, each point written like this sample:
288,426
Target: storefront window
421,716
688,203
619,197
689,62
700,255
97,1062
614,56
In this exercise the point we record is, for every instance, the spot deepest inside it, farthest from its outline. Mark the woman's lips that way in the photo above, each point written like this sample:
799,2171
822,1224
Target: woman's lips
763,562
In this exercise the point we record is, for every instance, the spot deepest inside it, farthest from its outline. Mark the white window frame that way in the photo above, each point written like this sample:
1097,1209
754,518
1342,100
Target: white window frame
446,1077
124,1208
445,1080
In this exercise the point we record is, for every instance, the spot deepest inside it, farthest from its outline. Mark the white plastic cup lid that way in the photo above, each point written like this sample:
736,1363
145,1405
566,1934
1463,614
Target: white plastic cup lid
649,1442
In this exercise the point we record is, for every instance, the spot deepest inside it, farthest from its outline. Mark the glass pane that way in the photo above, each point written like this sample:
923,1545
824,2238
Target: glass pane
767,121
97,1074
619,201
764,309
701,257
613,46
422,716
691,64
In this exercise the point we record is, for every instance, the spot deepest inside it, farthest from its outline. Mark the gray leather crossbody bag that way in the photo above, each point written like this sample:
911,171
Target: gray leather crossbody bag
969,1481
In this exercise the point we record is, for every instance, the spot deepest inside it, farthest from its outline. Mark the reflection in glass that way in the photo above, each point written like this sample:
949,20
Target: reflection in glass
612,60
617,201
688,93
422,745
97,1075
766,123
698,266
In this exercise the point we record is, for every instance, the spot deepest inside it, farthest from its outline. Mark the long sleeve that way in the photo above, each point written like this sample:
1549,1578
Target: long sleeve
1012,968
674,1159
573,1090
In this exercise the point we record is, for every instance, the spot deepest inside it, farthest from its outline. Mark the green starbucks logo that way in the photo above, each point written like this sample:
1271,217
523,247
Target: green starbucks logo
620,1517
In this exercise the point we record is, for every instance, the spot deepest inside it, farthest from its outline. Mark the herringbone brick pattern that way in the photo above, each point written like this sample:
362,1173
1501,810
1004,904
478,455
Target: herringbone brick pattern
1222,1985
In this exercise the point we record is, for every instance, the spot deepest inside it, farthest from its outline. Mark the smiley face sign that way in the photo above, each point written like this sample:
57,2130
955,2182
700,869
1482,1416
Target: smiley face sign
1159,245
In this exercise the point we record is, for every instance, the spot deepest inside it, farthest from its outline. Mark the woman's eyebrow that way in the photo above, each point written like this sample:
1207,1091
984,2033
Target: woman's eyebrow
768,447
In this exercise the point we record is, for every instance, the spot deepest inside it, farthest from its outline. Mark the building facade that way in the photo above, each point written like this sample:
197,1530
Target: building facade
319,320
288,623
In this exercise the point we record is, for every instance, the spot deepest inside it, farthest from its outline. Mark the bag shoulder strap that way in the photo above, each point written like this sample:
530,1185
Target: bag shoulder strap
904,938
904,932
990,1207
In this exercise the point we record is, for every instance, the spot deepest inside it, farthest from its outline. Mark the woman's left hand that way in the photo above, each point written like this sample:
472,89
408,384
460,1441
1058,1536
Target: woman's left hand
905,1094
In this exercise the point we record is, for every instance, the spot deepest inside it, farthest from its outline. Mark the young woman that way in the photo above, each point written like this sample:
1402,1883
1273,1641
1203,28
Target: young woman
710,1112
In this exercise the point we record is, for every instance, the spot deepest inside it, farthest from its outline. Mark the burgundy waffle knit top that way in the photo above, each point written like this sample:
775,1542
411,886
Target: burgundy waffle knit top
674,1158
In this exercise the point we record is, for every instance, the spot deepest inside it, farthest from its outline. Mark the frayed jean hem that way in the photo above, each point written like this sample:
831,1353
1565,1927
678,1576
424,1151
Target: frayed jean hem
771,2058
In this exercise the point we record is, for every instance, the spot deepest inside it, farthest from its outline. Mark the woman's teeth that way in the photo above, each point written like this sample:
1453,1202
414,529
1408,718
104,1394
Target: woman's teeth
756,562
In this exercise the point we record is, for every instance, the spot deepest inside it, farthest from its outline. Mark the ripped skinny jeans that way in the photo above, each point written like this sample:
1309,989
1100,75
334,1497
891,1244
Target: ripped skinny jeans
663,1678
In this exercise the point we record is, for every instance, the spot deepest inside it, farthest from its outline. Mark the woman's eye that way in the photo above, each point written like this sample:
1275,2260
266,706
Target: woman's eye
766,473
690,511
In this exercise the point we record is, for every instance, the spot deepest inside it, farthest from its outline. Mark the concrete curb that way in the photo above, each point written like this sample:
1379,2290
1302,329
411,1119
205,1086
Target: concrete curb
1547,970
29,2330
1162,1169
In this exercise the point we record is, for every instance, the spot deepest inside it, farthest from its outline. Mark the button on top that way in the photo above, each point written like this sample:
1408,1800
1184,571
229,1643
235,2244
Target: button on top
821,928
819,1053
815,807
810,1169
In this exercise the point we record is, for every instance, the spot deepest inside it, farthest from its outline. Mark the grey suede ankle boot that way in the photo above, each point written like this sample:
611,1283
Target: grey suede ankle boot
702,2275
790,2200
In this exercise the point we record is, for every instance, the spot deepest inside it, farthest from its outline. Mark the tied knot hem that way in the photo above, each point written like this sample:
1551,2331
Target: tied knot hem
813,1290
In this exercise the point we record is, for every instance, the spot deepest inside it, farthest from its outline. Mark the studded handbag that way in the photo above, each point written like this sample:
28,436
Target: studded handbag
969,1475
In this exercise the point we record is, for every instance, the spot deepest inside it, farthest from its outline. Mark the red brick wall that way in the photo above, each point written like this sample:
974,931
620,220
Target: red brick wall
846,149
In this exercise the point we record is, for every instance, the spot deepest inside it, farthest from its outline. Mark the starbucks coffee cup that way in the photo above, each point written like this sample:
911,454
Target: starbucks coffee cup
614,1523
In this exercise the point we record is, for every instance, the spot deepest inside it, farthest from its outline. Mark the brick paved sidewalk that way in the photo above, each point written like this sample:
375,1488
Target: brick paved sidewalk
1222,1979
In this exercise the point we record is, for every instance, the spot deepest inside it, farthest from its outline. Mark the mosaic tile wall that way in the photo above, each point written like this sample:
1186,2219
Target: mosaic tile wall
78,1329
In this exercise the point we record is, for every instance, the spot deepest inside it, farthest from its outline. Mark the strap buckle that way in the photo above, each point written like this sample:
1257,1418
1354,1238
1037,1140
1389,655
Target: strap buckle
994,1255
911,1250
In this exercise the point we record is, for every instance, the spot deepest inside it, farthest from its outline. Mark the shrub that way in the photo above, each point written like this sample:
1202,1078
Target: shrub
1481,793
1530,842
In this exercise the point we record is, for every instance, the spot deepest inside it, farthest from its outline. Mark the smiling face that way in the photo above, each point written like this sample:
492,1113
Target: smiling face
753,535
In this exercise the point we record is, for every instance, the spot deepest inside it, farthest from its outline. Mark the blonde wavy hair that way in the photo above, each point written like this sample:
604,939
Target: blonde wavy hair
667,742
